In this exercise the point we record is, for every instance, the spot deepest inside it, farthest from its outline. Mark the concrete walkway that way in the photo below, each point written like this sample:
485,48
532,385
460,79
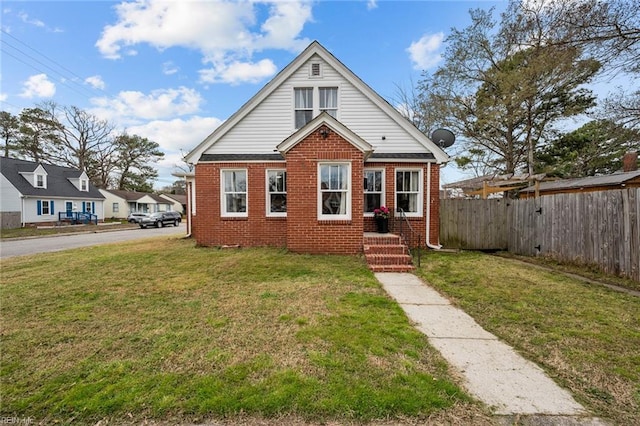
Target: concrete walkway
493,372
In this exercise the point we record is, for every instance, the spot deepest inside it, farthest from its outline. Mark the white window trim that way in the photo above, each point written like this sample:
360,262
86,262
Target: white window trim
42,204
420,190
84,182
383,194
268,194
223,198
316,99
44,181
326,217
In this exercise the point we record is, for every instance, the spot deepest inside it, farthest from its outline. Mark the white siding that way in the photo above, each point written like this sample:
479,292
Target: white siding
272,121
109,199
10,197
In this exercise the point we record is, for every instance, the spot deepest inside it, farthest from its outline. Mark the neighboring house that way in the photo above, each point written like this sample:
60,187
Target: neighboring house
304,163
37,193
118,204
178,202
586,184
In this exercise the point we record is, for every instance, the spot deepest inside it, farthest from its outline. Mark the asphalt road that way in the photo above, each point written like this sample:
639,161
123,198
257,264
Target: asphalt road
28,246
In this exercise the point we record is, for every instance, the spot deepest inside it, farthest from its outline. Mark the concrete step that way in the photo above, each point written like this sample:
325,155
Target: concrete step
392,268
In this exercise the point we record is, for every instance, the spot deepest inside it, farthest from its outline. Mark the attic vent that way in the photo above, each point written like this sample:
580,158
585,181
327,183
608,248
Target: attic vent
315,70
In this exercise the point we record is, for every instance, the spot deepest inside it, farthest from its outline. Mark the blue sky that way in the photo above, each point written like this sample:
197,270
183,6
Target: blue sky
172,71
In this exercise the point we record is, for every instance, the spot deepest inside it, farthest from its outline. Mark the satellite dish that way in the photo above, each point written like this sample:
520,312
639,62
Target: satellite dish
443,138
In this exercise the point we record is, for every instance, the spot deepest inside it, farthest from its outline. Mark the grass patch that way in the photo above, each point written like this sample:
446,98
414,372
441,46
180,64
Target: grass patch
159,329
585,336
32,231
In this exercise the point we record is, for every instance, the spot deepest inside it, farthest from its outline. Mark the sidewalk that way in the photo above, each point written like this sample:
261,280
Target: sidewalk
493,372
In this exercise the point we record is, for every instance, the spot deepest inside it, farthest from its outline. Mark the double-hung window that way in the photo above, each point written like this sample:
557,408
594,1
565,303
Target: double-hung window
45,207
234,193
311,101
409,192
373,190
276,193
303,105
329,100
334,194
40,181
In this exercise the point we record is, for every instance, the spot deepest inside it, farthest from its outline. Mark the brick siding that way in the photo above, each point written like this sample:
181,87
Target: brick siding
301,231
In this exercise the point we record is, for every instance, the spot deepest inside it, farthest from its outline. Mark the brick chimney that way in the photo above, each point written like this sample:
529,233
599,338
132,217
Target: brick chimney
630,161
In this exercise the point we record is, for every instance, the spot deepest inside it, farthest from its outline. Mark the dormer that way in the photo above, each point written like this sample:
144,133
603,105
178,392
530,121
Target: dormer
37,178
81,182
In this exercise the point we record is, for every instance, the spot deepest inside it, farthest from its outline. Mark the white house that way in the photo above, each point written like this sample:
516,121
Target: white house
118,203
178,202
37,193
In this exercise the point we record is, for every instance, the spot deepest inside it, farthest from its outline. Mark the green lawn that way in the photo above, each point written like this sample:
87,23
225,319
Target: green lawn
587,337
161,330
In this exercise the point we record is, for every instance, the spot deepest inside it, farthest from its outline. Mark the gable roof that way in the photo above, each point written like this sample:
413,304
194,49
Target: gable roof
324,119
590,181
315,48
58,183
178,198
134,195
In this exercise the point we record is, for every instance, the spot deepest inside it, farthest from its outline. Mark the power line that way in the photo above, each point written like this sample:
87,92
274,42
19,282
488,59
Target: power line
94,91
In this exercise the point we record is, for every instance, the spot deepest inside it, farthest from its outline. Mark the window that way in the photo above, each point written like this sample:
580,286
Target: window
329,100
373,190
409,192
303,106
87,207
45,207
276,192
83,185
40,181
311,101
234,193
116,208
334,193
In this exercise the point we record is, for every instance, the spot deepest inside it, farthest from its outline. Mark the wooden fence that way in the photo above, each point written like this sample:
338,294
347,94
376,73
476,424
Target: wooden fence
594,228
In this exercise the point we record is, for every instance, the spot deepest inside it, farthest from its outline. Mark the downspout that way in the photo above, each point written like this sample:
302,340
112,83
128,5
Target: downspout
431,246
189,216
23,223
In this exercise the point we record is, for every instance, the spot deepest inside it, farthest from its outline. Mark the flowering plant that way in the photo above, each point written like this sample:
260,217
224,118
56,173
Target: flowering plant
382,212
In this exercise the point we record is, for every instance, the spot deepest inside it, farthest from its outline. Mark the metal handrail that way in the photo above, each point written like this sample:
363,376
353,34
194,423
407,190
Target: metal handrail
408,239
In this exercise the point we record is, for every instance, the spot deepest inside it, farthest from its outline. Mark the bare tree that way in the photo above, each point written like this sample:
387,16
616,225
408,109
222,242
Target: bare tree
503,96
80,138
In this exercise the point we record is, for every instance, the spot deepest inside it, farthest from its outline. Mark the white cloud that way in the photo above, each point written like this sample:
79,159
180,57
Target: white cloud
129,106
177,134
96,82
38,86
3,97
238,72
31,21
372,4
169,68
226,33
425,53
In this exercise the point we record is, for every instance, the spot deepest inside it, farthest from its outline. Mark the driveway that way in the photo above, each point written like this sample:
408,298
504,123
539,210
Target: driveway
21,247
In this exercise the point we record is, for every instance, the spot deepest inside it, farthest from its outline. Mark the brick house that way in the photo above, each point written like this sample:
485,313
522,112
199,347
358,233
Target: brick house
288,168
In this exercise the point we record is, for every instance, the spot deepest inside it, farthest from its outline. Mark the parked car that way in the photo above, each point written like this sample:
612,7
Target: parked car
177,215
136,217
159,219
